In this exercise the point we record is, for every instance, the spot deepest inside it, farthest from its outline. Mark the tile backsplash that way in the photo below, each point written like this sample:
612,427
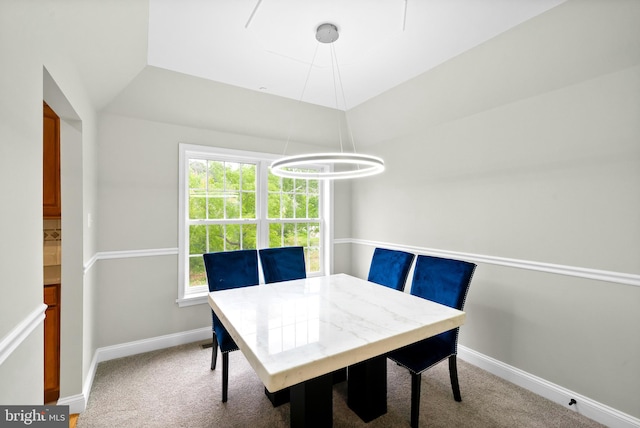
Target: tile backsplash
52,242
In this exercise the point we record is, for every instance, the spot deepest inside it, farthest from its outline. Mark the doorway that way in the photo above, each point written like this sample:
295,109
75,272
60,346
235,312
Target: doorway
76,292
52,251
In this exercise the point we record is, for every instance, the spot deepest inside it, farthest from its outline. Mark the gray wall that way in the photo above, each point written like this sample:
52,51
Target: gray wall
36,67
139,134
527,147
138,199
56,51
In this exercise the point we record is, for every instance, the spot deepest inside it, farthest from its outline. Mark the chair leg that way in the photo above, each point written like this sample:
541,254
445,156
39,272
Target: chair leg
214,351
416,379
225,375
453,374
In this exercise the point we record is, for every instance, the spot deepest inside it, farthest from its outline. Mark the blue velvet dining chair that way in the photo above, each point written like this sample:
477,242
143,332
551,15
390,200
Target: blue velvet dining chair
282,264
390,268
228,269
444,281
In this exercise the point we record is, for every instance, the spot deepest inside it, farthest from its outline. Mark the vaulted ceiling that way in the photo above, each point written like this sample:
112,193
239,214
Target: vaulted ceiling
240,66
269,45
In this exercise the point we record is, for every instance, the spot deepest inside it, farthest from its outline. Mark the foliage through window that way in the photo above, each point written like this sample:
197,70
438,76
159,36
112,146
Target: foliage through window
231,201
294,216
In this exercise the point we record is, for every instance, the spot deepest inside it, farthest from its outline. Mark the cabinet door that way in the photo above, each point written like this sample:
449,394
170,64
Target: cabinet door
51,164
52,343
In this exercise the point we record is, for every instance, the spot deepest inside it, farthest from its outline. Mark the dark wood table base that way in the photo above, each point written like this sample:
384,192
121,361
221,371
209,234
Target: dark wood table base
312,401
367,388
278,398
281,397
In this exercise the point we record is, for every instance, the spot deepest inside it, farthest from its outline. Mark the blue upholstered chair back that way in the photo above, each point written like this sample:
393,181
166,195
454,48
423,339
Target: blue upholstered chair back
443,281
282,264
390,268
225,270
231,269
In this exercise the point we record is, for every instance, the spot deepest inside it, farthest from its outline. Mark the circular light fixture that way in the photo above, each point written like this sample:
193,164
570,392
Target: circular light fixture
362,166
357,165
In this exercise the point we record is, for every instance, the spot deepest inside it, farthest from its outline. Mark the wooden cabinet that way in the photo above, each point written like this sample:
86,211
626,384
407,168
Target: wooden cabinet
51,164
51,208
52,343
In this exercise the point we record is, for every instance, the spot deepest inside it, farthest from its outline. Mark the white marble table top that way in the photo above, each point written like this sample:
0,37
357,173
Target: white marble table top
294,331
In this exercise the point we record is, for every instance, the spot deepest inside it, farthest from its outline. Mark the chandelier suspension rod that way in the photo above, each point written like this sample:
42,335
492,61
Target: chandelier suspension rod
297,166
334,62
344,100
304,88
255,9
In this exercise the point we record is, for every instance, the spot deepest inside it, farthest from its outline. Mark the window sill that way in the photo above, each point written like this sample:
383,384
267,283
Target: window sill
193,299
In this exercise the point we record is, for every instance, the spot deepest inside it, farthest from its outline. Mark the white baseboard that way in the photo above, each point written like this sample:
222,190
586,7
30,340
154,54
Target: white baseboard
152,344
585,406
78,403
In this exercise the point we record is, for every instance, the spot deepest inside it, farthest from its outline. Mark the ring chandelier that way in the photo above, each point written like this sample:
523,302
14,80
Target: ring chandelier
357,165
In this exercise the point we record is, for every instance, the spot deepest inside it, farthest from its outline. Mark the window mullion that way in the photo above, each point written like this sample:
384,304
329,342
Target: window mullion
224,193
206,189
224,237
262,202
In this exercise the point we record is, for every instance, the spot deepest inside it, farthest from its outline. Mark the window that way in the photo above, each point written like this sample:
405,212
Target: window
229,200
293,216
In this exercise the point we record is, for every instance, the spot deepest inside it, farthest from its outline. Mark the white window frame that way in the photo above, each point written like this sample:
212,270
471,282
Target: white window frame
189,296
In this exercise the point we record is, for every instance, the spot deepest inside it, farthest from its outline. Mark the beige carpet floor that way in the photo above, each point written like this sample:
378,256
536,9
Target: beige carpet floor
175,388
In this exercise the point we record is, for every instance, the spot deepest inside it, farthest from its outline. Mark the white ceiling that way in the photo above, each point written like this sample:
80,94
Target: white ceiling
272,52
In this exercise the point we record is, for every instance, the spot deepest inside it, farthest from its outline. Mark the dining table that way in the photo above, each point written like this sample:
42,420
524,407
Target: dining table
297,334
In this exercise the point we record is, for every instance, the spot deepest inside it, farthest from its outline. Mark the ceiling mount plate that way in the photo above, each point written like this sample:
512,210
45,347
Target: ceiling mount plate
327,33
